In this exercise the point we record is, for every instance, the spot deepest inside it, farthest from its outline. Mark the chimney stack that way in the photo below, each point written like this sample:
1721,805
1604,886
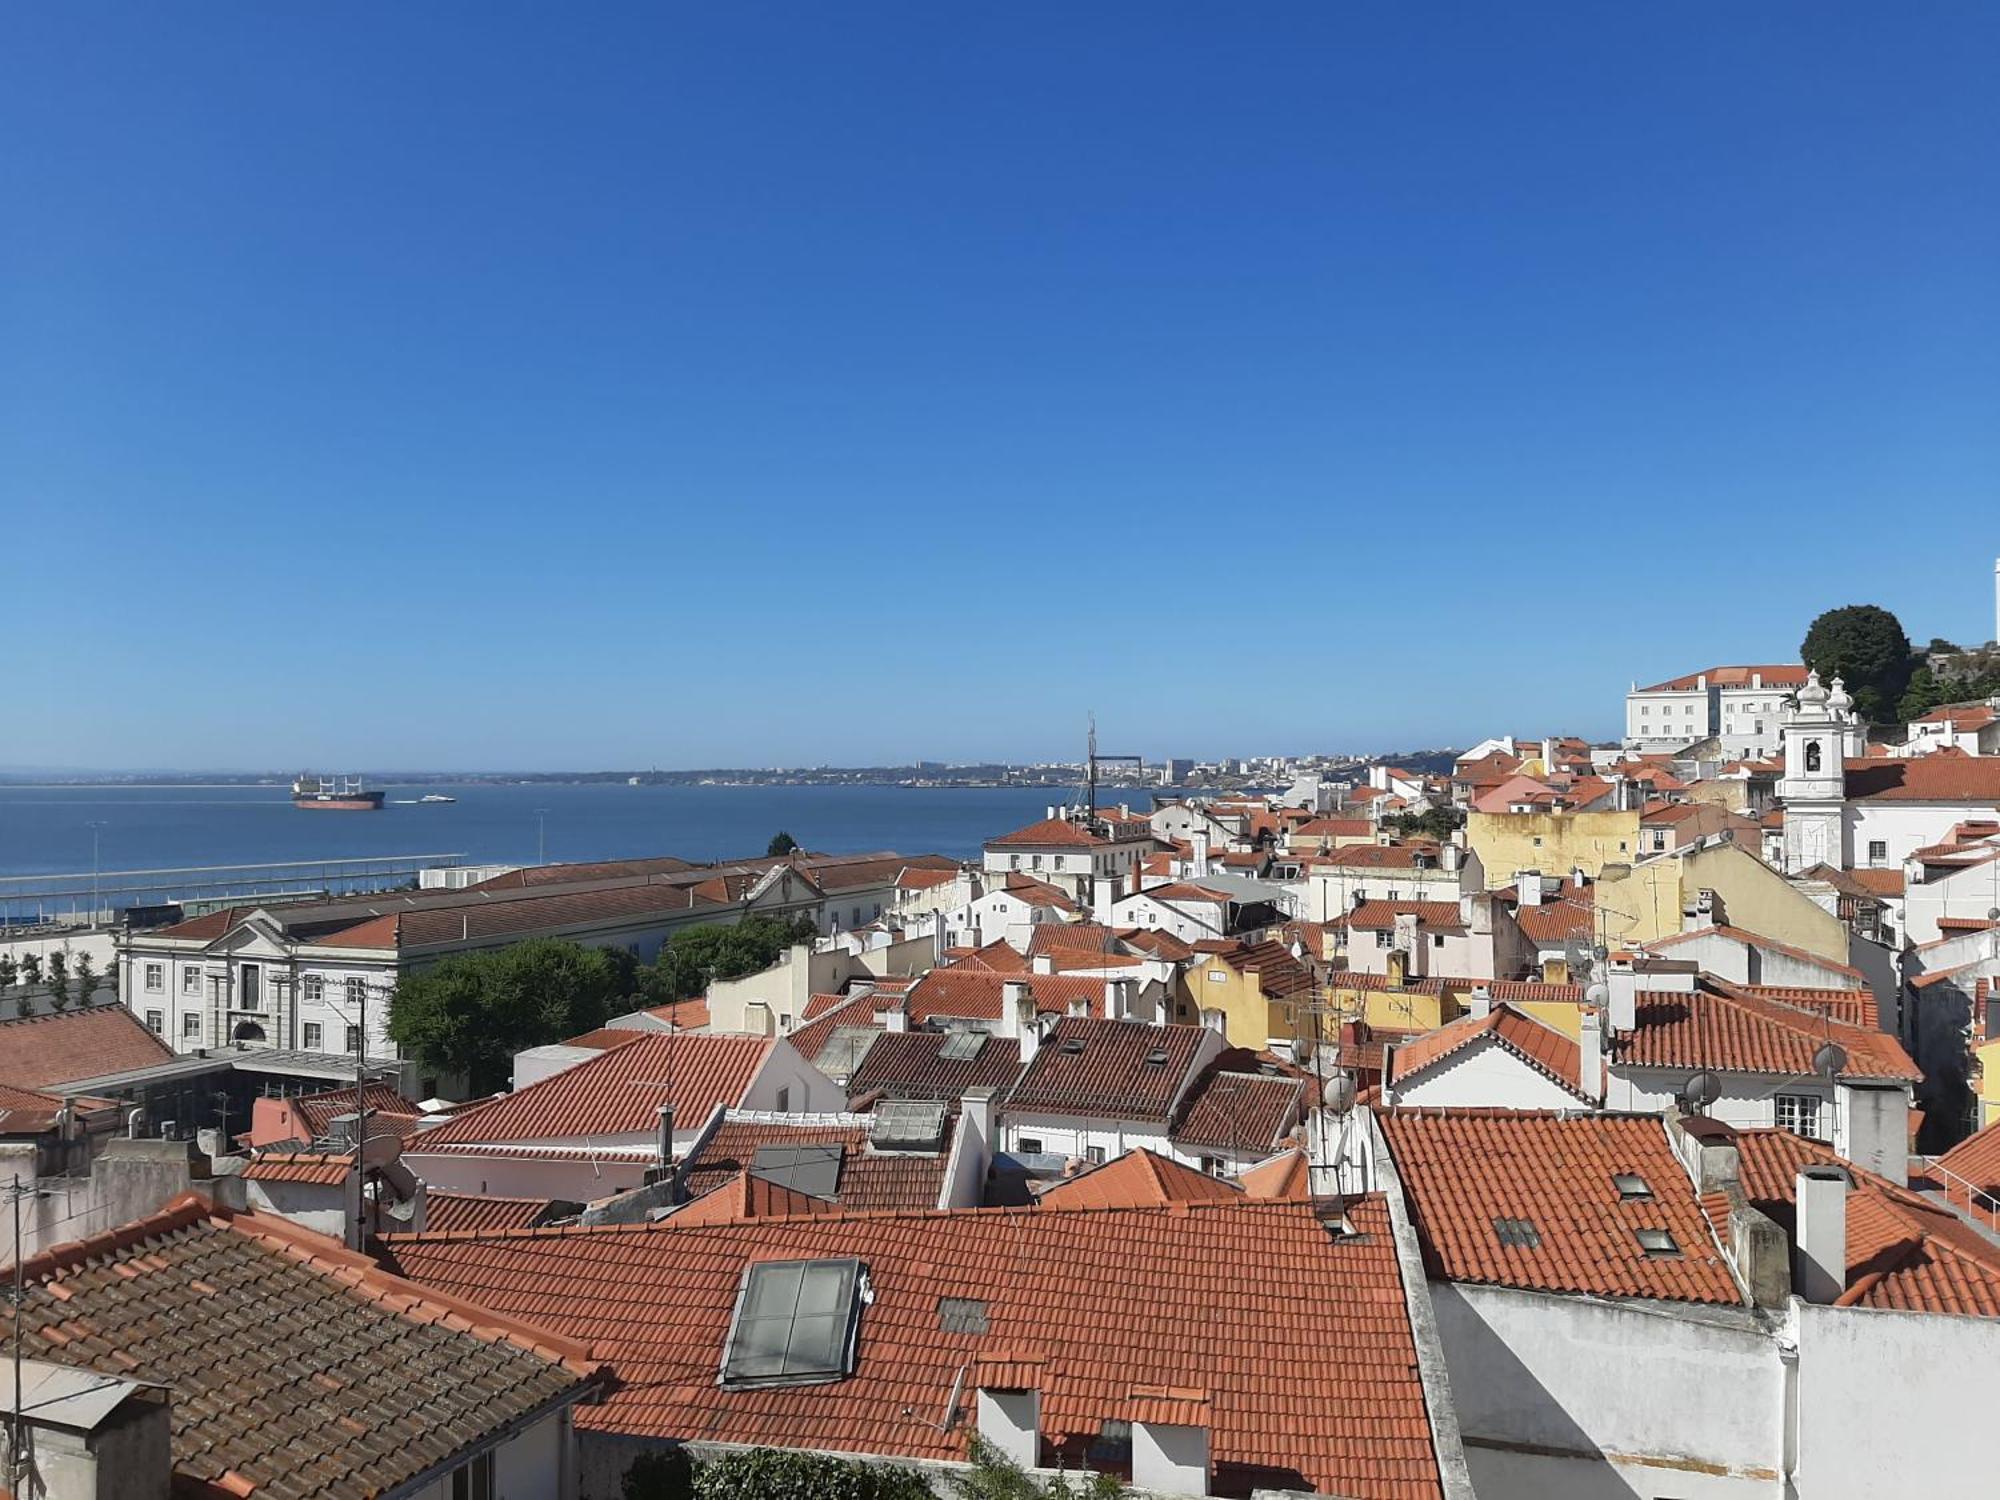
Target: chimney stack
1042,963
1480,1002
1011,1421
1821,1236
1170,1454
1104,892
1590,1053
1622,983
664,1137
1198,864
1529,885
1017,1006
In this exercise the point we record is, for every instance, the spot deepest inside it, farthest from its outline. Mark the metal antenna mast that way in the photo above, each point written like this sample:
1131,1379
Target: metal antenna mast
1093,760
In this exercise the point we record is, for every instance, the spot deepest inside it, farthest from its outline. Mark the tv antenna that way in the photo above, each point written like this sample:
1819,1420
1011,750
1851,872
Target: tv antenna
1092,761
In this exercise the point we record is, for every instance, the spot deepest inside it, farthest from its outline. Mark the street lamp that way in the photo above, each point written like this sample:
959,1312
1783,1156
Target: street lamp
541,835
95,901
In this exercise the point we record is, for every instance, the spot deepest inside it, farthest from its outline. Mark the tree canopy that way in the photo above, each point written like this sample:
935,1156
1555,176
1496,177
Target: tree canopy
695,956
470,1013
1865,646
782,843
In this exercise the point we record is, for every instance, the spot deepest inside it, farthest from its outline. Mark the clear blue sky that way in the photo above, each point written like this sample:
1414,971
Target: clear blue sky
540,386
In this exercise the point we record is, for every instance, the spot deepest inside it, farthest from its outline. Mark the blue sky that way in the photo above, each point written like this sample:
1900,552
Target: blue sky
528,386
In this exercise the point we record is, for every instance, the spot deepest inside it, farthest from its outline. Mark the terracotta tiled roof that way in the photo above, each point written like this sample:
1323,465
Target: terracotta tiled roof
1121,1069
38,1052
1742,1033
996,957
743,1195
447,1212
1237,1108
1050,833
1157,944
31,1111
1556,921
1279,975
1437,915
1335,828
1527,1199
1976,1160
319,1169
1136,1180
868,1179
1085,937
1972,779
1855,1007
1783,675
295,1365
975,995
1039,893
1543,1048
1188,891
317,1112
1959,716
1902,1252
1089,1304
1286,1175
1381,856
616,1093
907,1065
913,879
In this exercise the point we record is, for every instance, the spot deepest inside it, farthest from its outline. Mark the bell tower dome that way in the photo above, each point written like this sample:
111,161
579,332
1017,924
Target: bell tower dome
1813,789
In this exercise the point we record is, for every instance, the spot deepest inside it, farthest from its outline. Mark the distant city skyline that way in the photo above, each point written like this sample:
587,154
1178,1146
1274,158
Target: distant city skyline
760,385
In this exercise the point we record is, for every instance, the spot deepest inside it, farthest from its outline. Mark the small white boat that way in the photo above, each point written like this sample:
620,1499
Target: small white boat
436,797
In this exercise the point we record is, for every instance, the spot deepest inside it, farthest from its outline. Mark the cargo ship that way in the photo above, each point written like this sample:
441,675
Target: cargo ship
334,794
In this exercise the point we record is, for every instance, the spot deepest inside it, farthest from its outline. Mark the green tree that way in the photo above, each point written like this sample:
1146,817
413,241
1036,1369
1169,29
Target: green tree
1864,645
994,1477
86,979
31,968
9,971
696,956
1438,823
58,980
781,844
788,1474
472,1012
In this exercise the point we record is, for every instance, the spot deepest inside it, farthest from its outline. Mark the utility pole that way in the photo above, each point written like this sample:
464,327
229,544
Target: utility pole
96,901
541,835
20,1472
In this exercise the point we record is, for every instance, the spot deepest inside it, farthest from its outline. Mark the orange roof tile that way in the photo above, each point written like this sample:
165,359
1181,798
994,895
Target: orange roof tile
618,1092
1050,833
1902,1252
1744,1033
1146,1299
446,1212
1527,1199
1976,1160
1135,1180
1537,1044
1967,779
1286,1175
40,1052
1438,915
1120,1069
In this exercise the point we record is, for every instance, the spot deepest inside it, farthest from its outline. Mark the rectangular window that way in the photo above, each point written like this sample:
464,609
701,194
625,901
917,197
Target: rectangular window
156,976
1799,1113
315,1035
190,1025
191,980
1096,1155
354,1039
784,1101
156,1022
1028,1145
1878,851
1384,938
357,991
313,986
473,1481
795,1323
1437,940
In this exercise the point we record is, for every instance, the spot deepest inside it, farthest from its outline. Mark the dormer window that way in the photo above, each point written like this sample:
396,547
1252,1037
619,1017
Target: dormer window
796,1322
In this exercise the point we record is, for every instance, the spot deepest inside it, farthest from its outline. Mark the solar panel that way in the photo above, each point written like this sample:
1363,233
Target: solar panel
962,1046
812,1170
841,1056
795,1323
909,1124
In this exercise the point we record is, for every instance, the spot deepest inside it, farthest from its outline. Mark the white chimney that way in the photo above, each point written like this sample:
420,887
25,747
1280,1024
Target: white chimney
1622,985
1590,1053
1480,1002
1104,892
896,1017
1820,1274
1017,1006
1529,884
1451,856
1198,864
1012,1422
1170,1458
1042,963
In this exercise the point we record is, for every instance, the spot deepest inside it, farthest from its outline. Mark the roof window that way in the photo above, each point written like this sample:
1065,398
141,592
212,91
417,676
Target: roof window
1658,1244
1517,1234
796,1323
962,1046
1631,1186
1072,1045
812,1170
1157,1058
908,1125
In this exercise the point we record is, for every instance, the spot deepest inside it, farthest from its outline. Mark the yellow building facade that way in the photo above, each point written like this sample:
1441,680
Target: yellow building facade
1553,842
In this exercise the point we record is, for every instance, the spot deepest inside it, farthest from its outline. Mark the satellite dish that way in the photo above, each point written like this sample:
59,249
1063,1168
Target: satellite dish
1597,994
1830,1061
1600,953
1702,1090
1337,1093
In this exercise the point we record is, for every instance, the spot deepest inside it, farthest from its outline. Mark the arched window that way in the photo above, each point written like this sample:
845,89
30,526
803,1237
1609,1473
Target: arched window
1812,755
248,1031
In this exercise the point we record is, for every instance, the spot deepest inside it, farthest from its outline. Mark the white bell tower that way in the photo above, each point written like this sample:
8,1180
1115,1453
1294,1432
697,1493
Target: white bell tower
1819,734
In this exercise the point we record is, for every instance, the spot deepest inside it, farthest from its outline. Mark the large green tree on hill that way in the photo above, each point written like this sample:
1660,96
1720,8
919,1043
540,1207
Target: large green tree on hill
694,956
1864,645
472,1012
